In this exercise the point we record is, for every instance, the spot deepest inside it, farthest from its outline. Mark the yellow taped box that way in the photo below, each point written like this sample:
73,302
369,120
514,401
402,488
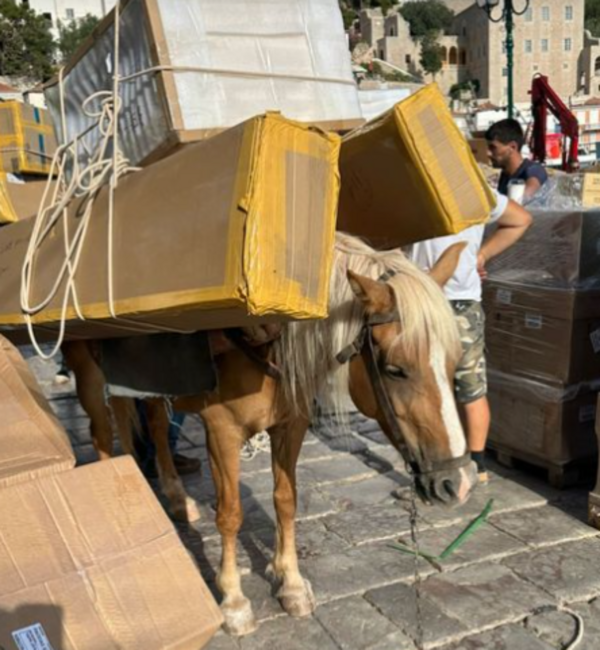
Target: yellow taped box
227,232
27,140
90,561
33,443
410,175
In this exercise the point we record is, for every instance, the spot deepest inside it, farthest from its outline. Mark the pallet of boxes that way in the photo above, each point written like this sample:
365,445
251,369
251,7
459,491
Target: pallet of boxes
212,232
542,305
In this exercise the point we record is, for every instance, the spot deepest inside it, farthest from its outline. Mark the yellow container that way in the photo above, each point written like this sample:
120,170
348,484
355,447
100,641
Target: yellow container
409,175
27,141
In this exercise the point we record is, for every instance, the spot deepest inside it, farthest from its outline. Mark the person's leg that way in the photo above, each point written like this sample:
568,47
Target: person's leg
183,464
471,382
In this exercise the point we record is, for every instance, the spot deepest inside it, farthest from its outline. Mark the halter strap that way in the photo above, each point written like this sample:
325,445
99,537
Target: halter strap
365,344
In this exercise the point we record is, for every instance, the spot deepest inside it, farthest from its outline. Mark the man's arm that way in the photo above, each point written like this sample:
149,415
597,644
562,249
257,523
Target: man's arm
532,185
536,177
511,227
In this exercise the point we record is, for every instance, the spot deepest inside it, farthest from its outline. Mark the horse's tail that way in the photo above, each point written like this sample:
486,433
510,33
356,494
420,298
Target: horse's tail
127,422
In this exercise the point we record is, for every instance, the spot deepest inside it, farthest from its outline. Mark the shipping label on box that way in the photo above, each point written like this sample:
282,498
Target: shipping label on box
591,191
534,321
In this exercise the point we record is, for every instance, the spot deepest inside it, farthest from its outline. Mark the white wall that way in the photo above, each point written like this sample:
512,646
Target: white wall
66,10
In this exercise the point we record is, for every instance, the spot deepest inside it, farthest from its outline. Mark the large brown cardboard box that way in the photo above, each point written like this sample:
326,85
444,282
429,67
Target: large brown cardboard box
226,232
90,561
550,423
545,334
32,441
560,250
594,496
409,175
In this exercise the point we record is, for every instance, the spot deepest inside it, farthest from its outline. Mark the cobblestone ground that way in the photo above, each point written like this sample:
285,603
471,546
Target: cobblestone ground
499,591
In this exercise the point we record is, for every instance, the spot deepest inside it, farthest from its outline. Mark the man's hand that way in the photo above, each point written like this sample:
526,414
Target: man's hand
481,270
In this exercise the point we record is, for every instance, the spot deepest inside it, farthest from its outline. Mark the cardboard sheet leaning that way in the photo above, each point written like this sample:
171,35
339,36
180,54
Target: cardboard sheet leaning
409,175
225,232
88,558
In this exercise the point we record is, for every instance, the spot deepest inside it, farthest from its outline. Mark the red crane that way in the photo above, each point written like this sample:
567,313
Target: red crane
544,99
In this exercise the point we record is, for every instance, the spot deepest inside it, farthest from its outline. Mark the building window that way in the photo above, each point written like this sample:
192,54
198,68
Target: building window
544,44
569,12
70,14
464,30
546,14
382,55
566,66
407,59
568,44
47,17
536,67
503,47
463,57
505,72
444,54
597,67
453,56
529,15
392,33
528,47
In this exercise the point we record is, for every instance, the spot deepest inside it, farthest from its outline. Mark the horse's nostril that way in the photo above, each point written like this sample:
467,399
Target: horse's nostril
449,487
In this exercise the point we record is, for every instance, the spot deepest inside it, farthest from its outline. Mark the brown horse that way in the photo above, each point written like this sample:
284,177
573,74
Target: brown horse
405,343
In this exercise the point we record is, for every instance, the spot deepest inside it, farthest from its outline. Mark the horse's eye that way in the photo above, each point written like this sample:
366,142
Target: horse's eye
395,372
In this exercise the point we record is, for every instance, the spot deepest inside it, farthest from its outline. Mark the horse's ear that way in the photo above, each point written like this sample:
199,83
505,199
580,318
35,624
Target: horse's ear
445,267
377,297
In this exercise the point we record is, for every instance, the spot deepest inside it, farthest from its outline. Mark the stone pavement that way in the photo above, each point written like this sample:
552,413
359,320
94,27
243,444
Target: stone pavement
499,591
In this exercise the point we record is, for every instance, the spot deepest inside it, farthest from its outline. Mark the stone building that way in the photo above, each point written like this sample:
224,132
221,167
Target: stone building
549,39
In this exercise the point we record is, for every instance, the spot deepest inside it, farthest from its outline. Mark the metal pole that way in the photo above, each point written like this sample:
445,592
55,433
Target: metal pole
508,16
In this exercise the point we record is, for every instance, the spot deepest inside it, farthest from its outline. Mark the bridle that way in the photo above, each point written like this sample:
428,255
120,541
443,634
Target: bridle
366,346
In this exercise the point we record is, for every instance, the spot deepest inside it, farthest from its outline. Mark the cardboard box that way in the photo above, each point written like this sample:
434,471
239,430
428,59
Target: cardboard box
27,140
219,65
545,334
551,423
591,190
409,175
479,149
594,496
89,560
20,200
226,232
560,250
33,443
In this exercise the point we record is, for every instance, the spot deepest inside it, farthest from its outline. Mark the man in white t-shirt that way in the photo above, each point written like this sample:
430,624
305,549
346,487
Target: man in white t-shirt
463,291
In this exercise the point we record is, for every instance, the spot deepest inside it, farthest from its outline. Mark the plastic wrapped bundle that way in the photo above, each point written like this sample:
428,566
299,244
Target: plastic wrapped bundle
544,423
543,334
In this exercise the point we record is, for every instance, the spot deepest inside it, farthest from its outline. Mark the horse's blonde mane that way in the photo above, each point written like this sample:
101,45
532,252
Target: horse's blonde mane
307,349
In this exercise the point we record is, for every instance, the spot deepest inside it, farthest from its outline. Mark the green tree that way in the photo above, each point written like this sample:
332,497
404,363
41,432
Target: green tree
72,34
26,44
592,16
426,16
431,54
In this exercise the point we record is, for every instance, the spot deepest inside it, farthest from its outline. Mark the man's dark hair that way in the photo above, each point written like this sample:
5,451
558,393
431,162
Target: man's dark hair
506,131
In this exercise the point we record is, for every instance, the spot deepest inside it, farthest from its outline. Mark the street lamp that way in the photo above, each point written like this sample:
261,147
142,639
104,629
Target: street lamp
506,14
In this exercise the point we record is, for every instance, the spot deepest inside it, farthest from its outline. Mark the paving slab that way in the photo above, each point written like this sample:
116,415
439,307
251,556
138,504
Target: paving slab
286,634
556,628
367,524
355,624
341,468
569,571
543,526
358,570
398,603
376,490
485,595
507,637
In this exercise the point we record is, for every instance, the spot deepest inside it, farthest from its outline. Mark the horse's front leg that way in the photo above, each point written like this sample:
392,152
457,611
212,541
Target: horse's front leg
181,506
295,593
225,440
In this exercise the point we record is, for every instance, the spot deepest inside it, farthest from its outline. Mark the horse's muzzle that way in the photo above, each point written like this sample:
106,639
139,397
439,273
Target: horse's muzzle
449,488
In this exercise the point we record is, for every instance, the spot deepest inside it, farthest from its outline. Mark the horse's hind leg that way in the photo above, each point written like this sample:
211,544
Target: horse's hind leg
295,593
224,445
181,506
89,382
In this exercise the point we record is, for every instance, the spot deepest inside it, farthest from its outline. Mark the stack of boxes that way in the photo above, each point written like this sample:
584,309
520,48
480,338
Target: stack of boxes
542,304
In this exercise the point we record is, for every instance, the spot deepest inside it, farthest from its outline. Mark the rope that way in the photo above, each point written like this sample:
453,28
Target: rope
261,442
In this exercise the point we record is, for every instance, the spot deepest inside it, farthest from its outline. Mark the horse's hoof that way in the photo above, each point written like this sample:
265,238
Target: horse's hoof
186,511
239,617
298,602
